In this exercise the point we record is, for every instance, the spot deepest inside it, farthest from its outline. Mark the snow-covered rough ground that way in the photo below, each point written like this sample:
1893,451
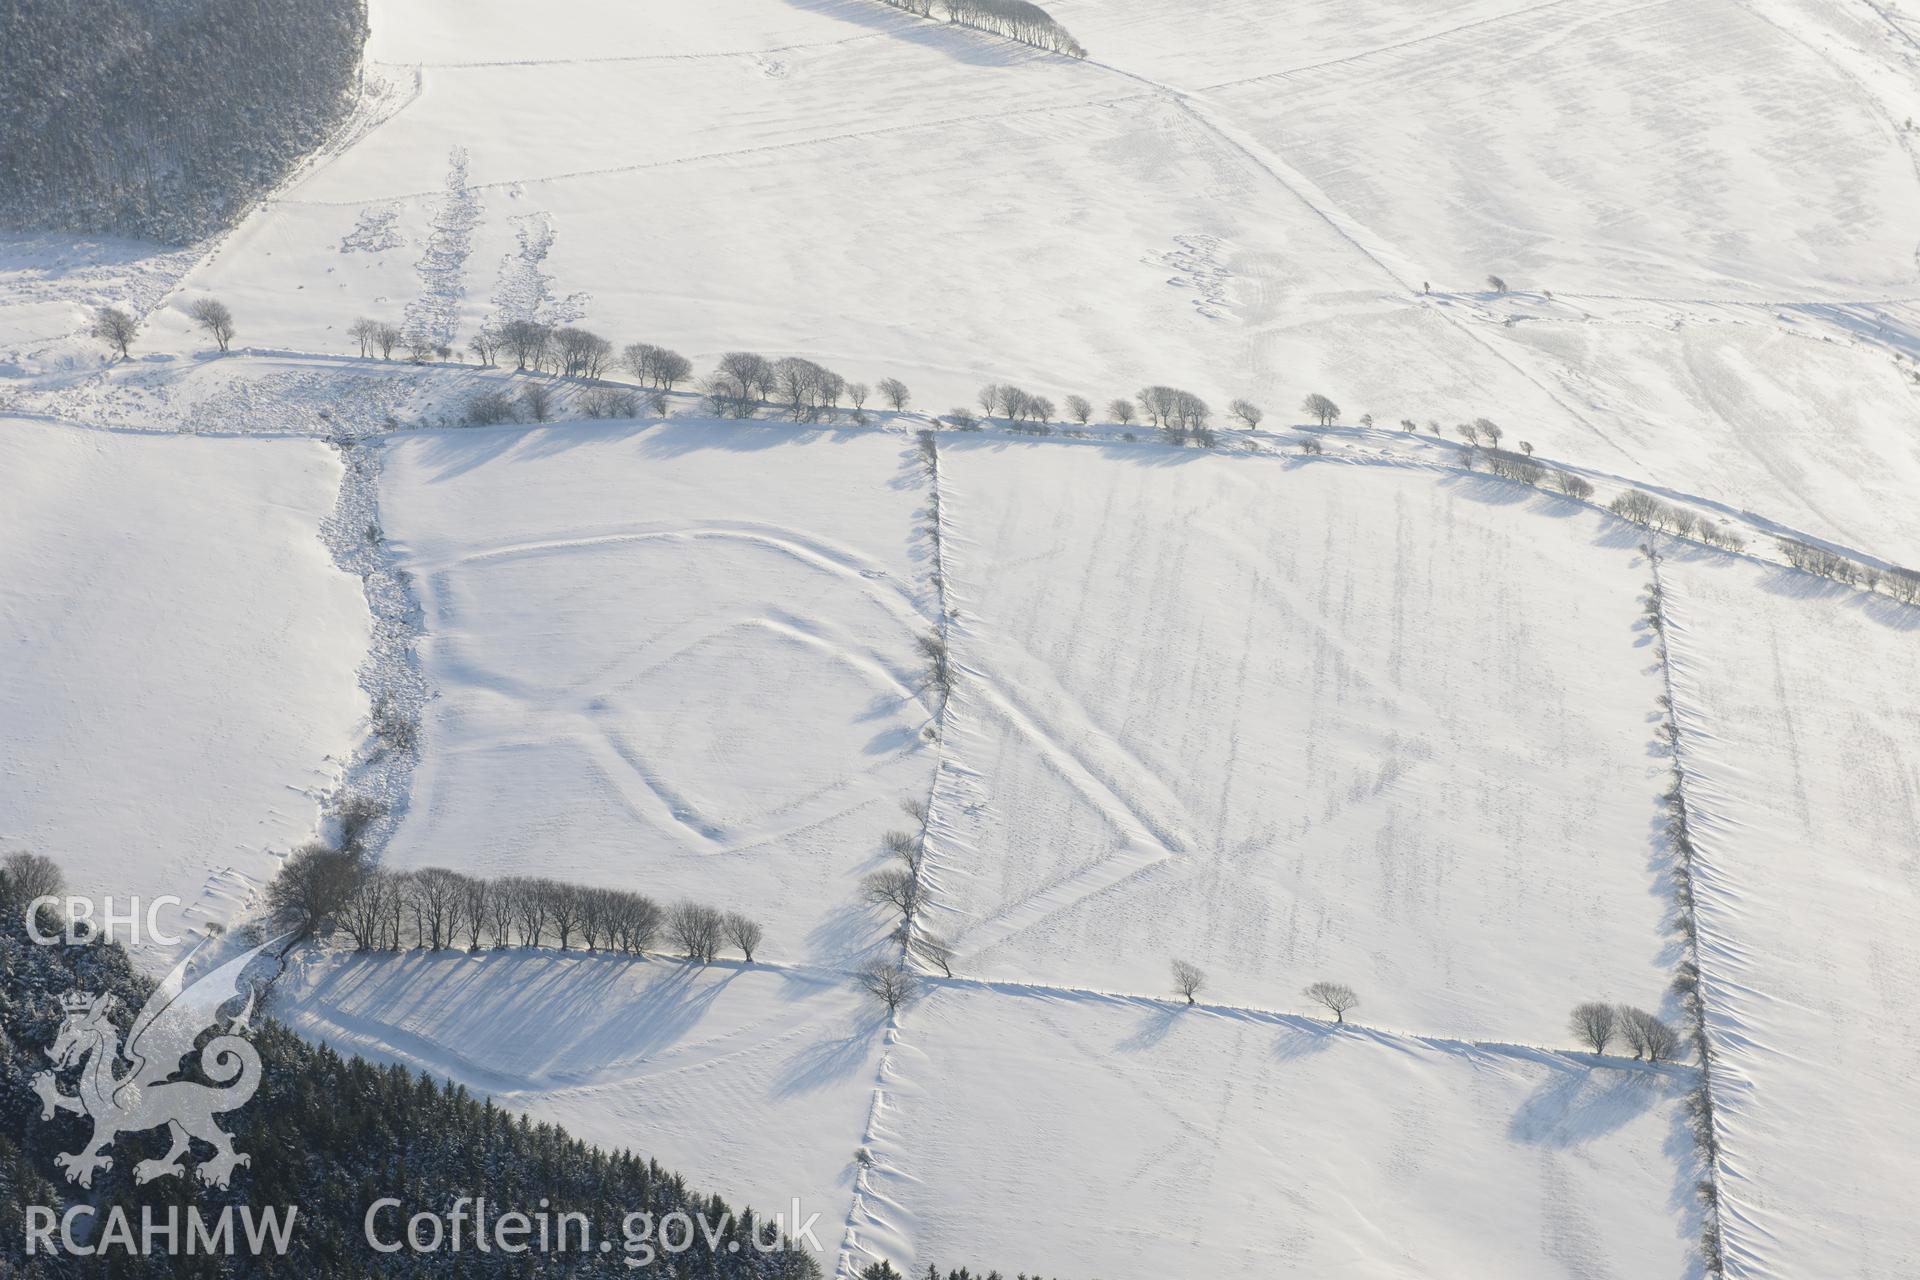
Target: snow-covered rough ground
178,689
1802,744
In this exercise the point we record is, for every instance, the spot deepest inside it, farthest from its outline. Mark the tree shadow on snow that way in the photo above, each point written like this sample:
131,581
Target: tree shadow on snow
834,1056
962,44
580,1009
1153,1028
1577,1103
1303,1039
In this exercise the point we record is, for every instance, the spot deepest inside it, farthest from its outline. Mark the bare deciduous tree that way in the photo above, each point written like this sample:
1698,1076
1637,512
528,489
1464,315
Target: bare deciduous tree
889,982
1321,409
363,330
1628,1021
213,315
437,894
365,914
603,401
593,913
1080,409
895,393
638,357
476,907
1188,979
696,930
933,647
530,909
25,876
1572,485
895,887
1663,1042
637,923
744,933
527,342
580,353
357,812
738,383
1246,413
904,845
1174,410
671,369
386,337
486,408
658,367
502,905
537,399
314,883
806,388
1336,996
936,949
1645,1034
563,909
1593,1024
115,328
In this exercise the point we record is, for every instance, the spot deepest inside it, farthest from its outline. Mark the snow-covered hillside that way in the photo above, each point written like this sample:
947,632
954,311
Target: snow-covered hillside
680,659
1143,1140
1800,745
1318,703
1701,210
1374,727
1381,724
179,684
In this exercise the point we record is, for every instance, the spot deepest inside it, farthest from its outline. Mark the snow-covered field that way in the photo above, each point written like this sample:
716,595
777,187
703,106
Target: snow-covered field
678,660
1701,209
1389,725
1366,717
755,1082
1374,726
1144,1140
179,684
1802,742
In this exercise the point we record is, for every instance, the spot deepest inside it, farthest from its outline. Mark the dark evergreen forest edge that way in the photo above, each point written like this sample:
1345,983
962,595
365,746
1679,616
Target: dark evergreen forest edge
165,119
333,1135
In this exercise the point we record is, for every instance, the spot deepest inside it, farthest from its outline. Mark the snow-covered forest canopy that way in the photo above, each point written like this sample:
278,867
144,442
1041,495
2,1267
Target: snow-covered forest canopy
164,118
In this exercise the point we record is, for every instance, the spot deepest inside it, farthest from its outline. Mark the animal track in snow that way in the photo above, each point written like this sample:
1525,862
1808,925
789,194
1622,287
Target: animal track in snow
375,232
525,291
443,266
1195,260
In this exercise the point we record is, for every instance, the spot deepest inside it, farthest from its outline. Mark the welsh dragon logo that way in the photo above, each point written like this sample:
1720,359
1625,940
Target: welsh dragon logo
145,1097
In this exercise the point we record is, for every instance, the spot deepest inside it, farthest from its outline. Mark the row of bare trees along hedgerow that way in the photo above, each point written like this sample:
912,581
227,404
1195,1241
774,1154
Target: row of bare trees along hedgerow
744,382
322,891
1016,19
